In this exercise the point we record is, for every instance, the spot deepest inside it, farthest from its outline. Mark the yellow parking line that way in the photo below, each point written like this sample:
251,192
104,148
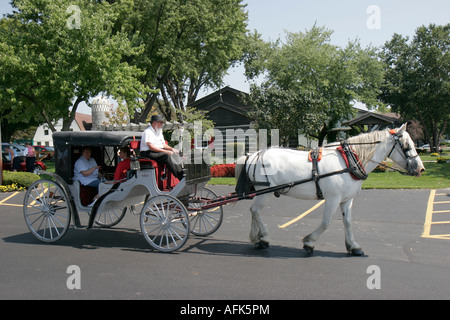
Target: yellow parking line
15,193
302,215
429,215
11,205
441,222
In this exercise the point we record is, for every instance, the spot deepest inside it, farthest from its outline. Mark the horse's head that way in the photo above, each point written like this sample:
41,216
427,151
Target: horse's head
404,153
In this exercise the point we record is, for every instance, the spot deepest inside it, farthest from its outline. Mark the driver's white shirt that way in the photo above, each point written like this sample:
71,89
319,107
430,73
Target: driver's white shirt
154,137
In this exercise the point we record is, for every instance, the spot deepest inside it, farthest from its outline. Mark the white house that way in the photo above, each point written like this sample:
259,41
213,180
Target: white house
43,135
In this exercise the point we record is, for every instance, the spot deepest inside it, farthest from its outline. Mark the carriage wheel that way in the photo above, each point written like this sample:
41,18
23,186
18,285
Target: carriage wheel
165,223
204,222
110,218
47,210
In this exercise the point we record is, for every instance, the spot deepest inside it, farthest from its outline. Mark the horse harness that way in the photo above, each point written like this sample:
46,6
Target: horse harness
244,185
408,158
354,165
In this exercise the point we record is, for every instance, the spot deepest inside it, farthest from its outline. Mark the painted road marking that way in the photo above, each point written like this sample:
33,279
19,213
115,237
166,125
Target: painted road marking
429,217
10,204
304,214
9,197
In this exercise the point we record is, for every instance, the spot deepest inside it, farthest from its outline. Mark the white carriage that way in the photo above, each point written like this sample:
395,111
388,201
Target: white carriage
171,209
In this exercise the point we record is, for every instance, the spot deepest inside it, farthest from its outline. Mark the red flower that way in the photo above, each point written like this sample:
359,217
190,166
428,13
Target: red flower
223,170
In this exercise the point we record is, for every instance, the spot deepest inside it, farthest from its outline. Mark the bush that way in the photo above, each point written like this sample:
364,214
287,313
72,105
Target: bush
382,168
442,160
223,170
16,181
434,154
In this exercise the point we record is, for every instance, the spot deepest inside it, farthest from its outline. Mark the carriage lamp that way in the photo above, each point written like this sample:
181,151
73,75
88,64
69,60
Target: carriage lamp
134,164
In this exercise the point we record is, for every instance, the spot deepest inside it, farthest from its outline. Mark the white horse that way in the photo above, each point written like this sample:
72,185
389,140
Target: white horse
279,166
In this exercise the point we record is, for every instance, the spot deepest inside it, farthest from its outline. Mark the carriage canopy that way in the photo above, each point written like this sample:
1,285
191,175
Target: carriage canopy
94,138
104,145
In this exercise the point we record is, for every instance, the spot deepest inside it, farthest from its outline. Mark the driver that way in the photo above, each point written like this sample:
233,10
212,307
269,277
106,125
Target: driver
154,146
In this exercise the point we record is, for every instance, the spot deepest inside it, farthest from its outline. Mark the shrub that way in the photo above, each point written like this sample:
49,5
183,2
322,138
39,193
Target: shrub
382,168
434,154
223,170
13,181
442,160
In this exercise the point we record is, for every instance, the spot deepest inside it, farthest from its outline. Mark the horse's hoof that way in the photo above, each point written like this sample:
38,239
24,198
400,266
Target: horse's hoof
262,245
308,250
357,252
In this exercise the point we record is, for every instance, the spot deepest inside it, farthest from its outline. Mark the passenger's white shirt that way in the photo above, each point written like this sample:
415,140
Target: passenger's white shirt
82,164
154,137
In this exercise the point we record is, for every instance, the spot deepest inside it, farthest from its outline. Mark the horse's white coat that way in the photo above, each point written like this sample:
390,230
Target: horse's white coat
285,166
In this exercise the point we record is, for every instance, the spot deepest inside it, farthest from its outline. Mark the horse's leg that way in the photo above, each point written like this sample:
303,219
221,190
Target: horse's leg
352,247
259,234
331,205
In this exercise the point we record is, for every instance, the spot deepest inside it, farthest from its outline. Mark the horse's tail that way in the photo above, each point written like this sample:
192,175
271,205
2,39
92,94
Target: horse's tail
240,163
240,166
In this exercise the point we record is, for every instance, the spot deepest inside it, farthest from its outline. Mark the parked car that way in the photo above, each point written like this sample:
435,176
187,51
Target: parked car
18,149
45,150
426,147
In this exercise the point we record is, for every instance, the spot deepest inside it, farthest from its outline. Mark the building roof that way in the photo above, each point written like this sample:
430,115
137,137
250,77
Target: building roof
227,98
371,118
84,121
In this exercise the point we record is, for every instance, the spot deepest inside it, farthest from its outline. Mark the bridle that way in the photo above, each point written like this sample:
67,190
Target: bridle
404,153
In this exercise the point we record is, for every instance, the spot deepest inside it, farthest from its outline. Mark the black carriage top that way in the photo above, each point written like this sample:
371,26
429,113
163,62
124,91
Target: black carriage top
103,145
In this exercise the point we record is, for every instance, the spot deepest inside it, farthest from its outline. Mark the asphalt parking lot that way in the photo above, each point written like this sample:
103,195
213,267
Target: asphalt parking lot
405,235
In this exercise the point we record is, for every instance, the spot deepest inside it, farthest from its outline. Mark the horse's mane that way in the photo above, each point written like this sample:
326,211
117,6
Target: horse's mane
365,152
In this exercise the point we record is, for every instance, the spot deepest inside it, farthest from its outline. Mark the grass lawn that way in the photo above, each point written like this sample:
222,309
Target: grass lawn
436,176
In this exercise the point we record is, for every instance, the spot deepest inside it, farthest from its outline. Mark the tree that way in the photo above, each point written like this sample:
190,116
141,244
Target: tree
417,83
55,55
188,45
313,82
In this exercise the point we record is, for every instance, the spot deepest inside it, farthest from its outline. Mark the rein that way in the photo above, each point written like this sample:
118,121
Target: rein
350,144
398,143
391,168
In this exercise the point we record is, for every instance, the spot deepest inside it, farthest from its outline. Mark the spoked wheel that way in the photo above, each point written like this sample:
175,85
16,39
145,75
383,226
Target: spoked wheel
46,210
165,223
110,218
204,222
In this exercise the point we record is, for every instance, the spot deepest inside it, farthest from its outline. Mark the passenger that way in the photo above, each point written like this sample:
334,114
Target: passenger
153,146
124,165
86,169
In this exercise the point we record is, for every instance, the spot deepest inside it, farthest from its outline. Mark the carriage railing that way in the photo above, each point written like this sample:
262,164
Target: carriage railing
196,170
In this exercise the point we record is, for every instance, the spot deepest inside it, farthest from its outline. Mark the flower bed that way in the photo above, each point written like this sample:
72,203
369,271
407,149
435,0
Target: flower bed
17,181
223,170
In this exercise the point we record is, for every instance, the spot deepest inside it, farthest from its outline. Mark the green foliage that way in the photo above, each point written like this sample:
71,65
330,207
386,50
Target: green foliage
48,64
187,45
417,83
18,180
310,83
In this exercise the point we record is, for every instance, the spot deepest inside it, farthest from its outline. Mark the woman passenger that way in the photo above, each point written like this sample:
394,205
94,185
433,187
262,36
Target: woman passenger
124,165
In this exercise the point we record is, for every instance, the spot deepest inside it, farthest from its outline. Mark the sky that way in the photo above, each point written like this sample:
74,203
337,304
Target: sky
373,22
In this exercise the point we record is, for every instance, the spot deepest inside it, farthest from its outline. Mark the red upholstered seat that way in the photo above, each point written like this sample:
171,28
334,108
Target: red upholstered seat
87,195
164,178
